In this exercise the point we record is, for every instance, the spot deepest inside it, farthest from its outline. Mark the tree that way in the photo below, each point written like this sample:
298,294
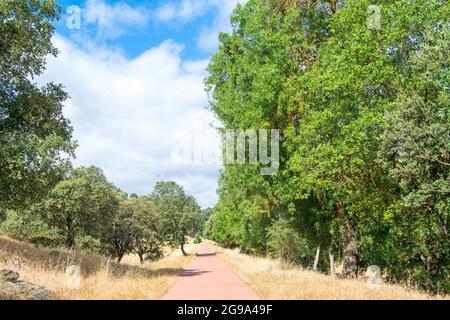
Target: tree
136,229
346,96
34,135
179,214
76,212
148,238
415,150
285,243
204,217
326,80
119,238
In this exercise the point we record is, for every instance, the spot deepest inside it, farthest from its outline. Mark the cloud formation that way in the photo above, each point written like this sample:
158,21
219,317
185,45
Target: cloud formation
132,115
113,20
184,11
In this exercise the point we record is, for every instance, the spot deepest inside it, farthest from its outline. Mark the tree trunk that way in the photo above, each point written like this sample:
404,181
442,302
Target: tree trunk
141,258
331,265
349,252
182,250
120,258
70,237
70,241
316,260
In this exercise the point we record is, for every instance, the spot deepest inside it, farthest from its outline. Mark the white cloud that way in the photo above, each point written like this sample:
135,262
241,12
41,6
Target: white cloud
130,114
166,12
184,11
209,38
113,20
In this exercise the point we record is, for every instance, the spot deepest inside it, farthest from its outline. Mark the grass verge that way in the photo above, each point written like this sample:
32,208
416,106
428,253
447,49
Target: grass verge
101,279
274,281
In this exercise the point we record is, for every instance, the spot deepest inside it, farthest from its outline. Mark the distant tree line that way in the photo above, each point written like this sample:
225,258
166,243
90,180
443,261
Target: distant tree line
87,213
363,114
43,200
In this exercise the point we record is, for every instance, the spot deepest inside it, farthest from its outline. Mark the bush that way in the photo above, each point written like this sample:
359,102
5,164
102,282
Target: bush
24,226
198,239
286,244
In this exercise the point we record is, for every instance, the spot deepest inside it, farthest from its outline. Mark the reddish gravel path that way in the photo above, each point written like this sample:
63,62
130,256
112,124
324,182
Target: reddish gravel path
208,278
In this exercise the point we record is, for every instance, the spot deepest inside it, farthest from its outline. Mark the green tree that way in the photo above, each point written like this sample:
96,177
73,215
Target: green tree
34,135
285,243
204,217
78,210
82,205
136,229
119,238
326,80
148,239
415,149
179,214
360,74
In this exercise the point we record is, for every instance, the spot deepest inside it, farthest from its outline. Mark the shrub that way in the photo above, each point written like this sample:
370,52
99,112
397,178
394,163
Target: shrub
286,244
198,239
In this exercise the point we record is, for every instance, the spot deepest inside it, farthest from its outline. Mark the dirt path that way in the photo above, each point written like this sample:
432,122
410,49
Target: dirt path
208,278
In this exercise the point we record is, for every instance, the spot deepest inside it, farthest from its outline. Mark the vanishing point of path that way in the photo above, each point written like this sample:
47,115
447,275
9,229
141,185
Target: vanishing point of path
208,278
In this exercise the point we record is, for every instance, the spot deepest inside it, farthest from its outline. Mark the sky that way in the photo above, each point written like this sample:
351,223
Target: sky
134,72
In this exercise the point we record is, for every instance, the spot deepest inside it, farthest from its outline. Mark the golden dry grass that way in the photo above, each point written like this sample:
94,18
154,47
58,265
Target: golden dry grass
134,282
274,281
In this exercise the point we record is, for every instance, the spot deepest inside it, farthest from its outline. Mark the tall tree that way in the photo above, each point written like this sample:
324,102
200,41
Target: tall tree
326,78
415,149
34,135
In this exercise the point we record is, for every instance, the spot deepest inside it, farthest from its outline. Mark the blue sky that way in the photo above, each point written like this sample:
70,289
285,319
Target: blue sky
134,71
135,38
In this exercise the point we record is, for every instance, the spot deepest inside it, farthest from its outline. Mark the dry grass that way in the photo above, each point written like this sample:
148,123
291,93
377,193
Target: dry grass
101,280
274,281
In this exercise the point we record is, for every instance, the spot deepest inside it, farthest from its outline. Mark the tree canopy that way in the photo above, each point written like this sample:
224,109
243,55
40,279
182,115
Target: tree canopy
363,119
35,137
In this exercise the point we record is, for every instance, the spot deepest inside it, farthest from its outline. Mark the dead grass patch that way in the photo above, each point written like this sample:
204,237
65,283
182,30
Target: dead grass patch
274,281
101,278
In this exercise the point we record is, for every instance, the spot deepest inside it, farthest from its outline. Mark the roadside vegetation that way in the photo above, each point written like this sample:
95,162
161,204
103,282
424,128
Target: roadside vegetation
274,279
101,278
363,113
361,100
44,200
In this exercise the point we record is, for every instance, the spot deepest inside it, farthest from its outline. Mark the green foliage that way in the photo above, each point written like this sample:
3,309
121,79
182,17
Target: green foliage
416,152
286,244
35,138
363,115
198,238
204,217
75,213
179,214
119,238
24,226
148,239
